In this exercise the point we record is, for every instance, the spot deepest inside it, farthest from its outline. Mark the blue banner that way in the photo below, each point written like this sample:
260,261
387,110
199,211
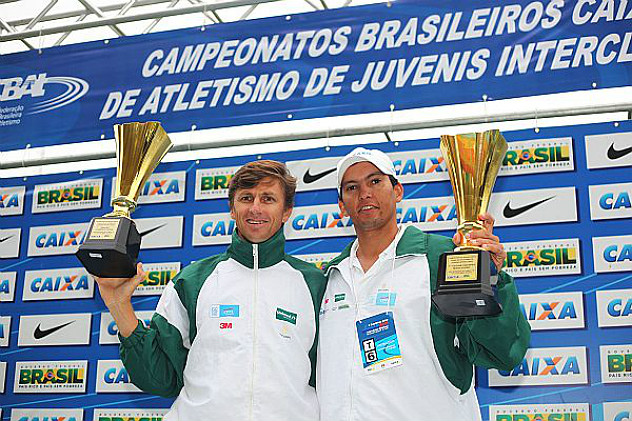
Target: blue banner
562,207
407,54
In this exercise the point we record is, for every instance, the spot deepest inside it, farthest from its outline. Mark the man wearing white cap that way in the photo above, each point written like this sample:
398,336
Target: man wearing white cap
382,283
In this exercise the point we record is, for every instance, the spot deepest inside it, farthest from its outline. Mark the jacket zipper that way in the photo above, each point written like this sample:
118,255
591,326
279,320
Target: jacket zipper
255,255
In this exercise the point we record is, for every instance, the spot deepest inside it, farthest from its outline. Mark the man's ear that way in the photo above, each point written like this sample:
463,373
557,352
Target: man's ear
232,212
341,205
286,214
399,192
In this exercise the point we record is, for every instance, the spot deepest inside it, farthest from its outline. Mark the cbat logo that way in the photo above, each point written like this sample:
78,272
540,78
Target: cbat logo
527,156
556,310
618,253
545,366
215,182
116,376
216,228
9,201
426,165
542,257
325,220
35,85
60,239
74,194
612,201
51,376
46,414
60,283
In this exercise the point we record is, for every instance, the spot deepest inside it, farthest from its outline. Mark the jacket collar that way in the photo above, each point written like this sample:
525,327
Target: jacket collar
412,242
270,252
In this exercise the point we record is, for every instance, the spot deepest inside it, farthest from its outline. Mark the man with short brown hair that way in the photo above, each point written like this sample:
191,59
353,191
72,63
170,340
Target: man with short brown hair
234,335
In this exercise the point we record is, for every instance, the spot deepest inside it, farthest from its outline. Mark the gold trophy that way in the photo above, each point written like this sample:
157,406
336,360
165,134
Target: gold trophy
466,276
111,247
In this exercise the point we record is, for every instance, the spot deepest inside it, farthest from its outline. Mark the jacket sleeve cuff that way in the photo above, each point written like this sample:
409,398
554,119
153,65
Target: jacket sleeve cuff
135,338
504,278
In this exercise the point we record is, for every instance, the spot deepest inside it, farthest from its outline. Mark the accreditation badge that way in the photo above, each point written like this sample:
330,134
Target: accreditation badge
379,347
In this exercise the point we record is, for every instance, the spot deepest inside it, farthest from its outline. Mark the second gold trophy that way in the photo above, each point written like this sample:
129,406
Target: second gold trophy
465,277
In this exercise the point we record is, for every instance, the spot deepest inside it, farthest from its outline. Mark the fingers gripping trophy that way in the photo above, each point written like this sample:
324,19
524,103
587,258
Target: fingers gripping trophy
111,247
466,276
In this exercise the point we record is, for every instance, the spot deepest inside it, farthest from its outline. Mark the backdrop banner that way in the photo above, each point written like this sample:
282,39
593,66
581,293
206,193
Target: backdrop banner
562,207
401,55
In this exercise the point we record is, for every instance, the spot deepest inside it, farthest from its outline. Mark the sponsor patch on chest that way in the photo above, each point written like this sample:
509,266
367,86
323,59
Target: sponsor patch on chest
285,315
224,310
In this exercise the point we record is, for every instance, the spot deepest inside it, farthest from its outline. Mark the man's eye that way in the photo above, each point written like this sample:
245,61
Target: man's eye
350,187
376,180
245,199
268,199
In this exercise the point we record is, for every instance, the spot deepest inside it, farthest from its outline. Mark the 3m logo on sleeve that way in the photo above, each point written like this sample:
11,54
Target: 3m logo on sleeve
286,316
225,310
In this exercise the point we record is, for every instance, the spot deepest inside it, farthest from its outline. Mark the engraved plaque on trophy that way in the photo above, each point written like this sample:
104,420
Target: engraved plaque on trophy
111,247
464,280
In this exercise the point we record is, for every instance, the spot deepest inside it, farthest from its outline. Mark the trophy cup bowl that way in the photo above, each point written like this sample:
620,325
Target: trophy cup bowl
466,275
112,243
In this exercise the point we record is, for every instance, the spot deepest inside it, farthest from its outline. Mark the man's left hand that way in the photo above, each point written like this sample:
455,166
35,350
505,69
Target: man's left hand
485,239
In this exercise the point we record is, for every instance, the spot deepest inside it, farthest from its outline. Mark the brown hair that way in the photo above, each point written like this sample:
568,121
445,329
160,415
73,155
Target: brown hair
252,173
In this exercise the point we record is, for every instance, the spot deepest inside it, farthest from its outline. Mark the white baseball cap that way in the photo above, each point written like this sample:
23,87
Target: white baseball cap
374,156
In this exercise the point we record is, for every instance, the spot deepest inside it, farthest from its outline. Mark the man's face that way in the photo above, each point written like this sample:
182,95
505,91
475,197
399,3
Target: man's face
259,211
368,197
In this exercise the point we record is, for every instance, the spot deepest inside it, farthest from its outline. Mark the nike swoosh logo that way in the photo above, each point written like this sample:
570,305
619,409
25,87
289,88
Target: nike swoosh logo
309,178
509,212
39,333
150,230
2,240
615,154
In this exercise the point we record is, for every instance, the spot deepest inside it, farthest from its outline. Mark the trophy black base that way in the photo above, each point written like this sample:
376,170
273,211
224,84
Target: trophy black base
464,285
111,248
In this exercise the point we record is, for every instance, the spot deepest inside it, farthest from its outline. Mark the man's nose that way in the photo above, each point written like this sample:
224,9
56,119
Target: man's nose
255,207
365,191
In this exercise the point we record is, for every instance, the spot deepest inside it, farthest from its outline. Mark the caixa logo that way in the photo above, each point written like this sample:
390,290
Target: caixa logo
35,86
57,284
545,366
47,414
614,307
113,377
58,239
215,228
553,311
